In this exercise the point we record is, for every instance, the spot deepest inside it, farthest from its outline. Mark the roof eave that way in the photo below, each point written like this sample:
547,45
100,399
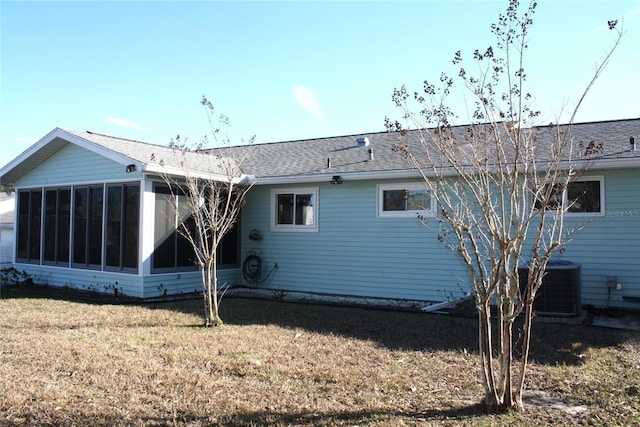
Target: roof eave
346,176
154,169
618,163
29,159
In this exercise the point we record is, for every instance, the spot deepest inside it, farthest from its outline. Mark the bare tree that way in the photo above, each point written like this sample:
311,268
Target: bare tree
501,188
207,196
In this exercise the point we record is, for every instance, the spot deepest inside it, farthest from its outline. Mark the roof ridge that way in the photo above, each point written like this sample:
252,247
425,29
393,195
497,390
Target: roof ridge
289,141
306,140
116,137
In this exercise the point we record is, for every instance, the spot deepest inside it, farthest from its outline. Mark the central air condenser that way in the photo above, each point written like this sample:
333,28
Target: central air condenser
559,294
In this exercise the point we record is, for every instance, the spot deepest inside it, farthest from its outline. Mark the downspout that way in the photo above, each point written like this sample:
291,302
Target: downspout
444,304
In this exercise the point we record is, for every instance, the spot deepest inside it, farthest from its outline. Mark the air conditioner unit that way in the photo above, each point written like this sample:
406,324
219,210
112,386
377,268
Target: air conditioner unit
559,294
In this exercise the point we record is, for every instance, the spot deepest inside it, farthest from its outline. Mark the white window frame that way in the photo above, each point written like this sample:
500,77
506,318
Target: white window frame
313,191
381,188
565,200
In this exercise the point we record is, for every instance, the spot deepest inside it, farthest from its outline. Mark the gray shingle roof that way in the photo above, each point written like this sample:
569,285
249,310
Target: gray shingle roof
310,157
340,155
148,157
157,157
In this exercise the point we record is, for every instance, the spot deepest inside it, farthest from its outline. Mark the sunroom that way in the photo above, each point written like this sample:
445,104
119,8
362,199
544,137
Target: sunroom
94,212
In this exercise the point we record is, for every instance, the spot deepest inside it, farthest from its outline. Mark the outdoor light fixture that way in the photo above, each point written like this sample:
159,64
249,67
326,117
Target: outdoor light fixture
336,179
130,168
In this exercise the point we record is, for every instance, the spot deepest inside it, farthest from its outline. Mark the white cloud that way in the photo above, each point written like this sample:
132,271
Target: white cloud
307,99
125,123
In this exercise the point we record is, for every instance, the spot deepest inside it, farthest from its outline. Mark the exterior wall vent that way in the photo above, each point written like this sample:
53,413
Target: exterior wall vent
362,142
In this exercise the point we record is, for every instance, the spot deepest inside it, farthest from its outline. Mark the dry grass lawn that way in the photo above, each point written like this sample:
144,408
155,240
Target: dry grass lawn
276,363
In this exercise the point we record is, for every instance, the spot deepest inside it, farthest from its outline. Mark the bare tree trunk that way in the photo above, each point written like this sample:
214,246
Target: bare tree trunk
212,316
526,346
216,319
506,361
484,318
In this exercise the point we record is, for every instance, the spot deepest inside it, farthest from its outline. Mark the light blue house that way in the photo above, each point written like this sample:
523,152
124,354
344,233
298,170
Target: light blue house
327,216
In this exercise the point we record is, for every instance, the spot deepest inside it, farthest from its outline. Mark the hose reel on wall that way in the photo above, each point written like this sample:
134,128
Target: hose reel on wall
252,267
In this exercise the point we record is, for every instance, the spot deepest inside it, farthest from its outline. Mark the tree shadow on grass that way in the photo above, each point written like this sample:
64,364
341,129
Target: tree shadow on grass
552,343
455,415
394,329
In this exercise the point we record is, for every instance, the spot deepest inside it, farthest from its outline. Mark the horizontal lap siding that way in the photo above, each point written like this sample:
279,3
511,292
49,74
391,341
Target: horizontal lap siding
185,283
354,252
92,280
610,245
73,164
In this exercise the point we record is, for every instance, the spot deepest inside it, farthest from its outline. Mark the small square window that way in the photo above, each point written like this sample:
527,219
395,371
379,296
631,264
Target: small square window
405,200
295,209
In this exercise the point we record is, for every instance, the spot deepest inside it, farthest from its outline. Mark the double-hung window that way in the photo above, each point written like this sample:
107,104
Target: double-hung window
294,209
584,196
405,200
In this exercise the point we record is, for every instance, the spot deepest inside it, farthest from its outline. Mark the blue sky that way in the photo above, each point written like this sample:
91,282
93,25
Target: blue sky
281,70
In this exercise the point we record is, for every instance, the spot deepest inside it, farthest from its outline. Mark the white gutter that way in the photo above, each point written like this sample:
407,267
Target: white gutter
347,176
170,171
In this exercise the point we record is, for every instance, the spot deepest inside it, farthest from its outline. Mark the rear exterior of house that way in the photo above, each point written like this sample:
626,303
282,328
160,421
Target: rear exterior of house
357,251
323,217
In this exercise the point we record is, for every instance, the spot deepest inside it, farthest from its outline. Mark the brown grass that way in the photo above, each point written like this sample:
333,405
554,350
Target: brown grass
276,363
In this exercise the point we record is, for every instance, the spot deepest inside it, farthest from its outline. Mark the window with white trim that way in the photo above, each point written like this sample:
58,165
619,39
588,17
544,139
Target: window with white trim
294,209
584,196
405,200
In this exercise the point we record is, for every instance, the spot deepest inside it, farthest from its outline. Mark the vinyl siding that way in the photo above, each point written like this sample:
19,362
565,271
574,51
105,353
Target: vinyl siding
74,165
185,282
356,253
353,252
610,245
94,280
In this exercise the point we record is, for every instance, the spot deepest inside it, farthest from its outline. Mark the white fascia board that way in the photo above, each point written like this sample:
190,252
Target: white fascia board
346,176
30,151
599,164
178,172
623,163
61,134
99,149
